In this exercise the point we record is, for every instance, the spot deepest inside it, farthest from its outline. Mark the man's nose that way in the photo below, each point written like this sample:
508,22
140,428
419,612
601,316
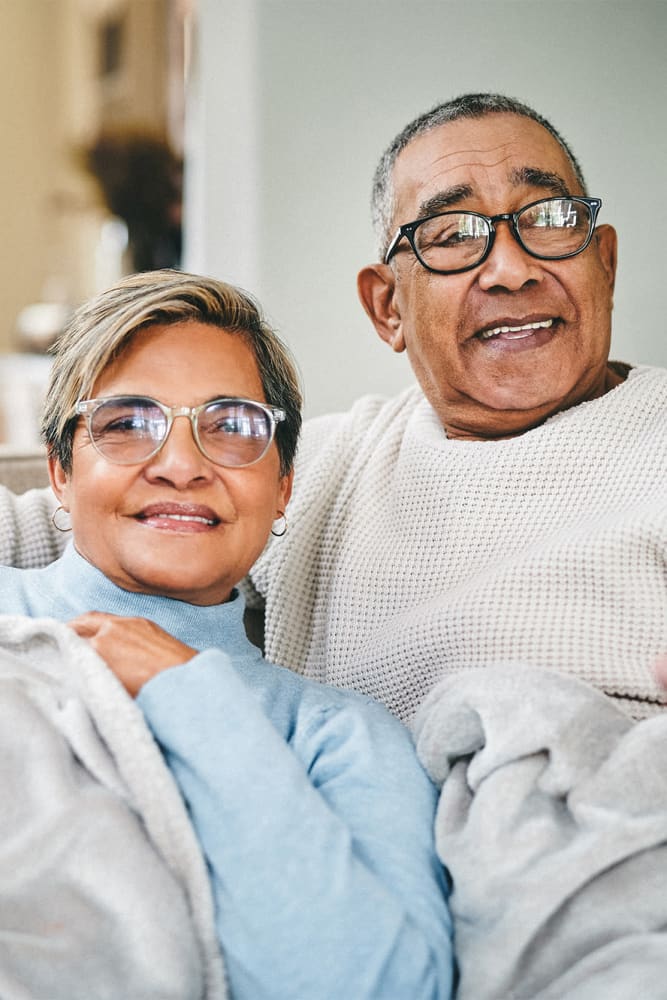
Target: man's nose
508,266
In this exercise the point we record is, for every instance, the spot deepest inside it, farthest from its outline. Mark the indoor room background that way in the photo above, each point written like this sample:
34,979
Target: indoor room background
279,110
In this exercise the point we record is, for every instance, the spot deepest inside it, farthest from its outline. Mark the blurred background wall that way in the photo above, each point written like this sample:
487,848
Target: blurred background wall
277,111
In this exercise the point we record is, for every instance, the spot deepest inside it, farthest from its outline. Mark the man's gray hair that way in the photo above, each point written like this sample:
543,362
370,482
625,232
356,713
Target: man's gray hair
101,329
465,106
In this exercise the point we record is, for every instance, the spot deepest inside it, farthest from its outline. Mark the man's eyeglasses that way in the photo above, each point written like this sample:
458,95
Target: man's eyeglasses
128,430
451,242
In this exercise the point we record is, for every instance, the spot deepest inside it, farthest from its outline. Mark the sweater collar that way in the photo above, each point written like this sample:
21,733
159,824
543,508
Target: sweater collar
199,627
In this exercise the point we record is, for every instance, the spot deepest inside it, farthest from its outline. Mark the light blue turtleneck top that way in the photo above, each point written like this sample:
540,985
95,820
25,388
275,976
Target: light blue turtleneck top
311,808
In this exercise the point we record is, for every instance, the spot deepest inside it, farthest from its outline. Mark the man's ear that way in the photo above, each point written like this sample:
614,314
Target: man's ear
607,242
376,285
59,481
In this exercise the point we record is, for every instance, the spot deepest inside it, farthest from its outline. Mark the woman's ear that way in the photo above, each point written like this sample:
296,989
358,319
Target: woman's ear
59,481
376,285
285,489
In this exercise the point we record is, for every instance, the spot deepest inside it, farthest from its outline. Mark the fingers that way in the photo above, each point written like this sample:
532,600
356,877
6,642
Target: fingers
89,623
660,671
135,649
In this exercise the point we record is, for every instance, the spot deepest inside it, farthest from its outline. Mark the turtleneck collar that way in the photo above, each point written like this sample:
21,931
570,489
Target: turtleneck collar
85,588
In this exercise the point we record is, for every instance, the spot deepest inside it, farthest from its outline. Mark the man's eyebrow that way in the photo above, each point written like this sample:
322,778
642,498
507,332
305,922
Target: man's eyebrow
443,200
534,177
448,198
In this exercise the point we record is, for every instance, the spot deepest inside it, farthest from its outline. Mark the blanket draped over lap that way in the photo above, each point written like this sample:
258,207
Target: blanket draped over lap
552,821
104,888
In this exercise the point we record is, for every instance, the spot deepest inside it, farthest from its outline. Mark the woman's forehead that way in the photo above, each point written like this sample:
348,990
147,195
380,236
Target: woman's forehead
190,359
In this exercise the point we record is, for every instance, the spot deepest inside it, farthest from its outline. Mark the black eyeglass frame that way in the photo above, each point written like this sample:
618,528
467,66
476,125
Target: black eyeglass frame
274,414
408,230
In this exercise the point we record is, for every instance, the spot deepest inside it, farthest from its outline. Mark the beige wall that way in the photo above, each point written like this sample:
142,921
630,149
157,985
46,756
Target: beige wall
51,102
29,94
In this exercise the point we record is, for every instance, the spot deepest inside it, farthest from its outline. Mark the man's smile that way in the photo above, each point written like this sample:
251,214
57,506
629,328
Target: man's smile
515,332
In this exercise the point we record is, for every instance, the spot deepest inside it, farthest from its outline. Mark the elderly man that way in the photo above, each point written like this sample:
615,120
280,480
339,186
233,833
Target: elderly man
509,515
513,506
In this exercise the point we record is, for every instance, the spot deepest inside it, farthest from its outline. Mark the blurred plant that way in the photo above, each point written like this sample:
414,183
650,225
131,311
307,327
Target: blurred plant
140,177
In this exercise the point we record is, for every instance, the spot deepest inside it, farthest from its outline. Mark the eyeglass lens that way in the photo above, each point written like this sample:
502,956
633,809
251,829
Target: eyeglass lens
553,228
232,433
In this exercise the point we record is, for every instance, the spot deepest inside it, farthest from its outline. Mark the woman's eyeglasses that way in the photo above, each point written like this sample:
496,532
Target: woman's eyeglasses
231,432
451,242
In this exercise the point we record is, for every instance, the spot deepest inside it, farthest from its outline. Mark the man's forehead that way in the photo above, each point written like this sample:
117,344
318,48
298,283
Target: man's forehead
478,155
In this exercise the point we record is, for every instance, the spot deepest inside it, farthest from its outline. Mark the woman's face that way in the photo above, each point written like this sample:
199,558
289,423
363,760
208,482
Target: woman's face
176,525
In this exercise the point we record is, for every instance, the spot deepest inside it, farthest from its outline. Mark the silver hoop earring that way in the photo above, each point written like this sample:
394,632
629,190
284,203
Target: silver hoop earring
54,520
281,517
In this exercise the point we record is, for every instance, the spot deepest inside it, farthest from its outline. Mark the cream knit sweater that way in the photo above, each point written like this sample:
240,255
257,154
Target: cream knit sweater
410,556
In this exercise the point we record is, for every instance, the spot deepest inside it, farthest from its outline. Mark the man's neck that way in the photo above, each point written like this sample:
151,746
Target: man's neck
502,426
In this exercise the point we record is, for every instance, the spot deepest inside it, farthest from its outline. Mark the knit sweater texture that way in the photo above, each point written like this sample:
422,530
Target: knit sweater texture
312,810
410,556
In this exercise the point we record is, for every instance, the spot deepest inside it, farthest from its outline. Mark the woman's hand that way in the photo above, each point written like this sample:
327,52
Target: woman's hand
134,648
660,671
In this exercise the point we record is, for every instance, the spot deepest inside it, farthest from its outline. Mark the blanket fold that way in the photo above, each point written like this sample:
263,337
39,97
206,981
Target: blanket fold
105,891
552,821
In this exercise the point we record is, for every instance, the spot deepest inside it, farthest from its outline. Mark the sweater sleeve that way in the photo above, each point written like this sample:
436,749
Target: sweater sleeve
321,859
28,537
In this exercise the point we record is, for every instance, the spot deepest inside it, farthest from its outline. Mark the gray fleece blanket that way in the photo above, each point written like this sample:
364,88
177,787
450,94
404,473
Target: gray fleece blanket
104,893
552,821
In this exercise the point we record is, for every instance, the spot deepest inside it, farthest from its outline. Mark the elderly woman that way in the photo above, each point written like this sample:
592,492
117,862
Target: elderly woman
171,422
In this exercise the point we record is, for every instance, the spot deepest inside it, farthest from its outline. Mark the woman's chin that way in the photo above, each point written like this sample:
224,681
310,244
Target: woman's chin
179,584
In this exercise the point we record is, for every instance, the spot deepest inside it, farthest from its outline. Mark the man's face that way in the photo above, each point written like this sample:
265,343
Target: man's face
492,386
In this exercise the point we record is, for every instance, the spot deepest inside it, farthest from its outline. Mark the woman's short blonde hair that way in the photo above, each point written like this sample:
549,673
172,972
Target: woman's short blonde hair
102,328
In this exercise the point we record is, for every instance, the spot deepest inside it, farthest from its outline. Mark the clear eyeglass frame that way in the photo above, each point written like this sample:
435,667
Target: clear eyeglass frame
409,230
88,408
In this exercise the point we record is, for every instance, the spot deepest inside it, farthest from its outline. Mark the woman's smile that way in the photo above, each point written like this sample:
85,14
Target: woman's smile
183,518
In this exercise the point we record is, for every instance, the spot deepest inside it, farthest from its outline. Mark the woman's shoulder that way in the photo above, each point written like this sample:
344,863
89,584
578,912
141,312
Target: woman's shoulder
33,592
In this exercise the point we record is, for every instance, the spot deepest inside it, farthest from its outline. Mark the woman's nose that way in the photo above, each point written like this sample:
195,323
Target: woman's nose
179,460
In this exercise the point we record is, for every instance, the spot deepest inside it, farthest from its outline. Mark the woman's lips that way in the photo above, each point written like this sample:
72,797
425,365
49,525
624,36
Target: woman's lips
178,517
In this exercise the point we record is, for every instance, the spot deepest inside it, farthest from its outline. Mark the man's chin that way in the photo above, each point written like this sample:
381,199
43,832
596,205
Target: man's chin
500,414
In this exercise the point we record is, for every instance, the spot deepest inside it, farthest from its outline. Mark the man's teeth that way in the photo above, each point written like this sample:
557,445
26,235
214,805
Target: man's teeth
526,329
187,517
